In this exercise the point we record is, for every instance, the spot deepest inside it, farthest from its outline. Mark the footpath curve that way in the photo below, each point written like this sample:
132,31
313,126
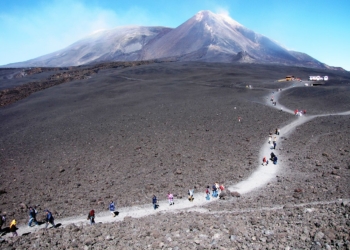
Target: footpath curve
259,178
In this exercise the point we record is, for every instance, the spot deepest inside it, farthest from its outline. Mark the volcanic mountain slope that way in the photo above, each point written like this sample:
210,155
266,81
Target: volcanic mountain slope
205,37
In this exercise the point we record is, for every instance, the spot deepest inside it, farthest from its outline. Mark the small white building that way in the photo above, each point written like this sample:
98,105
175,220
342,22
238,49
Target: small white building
318,78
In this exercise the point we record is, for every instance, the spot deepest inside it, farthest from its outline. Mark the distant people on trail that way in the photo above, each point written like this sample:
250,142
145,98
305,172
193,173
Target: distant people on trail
304,111
270,139
91,217
222,187
32,217
239,119
49,219
190,195
265,161
171,198
274,142
13,228
154,202
207,192
296,112
112,209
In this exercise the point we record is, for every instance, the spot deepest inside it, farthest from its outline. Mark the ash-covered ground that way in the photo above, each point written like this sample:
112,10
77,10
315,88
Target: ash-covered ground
126,134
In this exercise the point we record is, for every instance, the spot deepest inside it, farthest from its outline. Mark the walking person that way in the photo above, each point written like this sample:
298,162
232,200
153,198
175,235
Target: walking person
112,208
274,142
171,199
49,219
265,161
32,217
2,220
272,156
91,217
275,160
13,228
207,192
215,193
270,139
154,202
190,195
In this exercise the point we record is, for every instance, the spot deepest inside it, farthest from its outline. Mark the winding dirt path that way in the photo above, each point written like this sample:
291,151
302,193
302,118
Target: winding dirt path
259,178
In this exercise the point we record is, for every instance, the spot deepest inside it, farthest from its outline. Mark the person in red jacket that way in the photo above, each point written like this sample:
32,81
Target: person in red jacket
91,217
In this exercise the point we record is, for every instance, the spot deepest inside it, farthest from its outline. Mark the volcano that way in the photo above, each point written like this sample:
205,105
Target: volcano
206,37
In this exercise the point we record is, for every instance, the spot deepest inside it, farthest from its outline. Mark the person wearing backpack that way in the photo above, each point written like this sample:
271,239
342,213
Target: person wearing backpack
91,217
32,217
13,228
49,219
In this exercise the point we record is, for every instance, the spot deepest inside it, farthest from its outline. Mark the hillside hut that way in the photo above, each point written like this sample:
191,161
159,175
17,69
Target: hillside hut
289,78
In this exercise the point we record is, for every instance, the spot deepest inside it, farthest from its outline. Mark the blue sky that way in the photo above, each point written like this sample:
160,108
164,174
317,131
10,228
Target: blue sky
30,28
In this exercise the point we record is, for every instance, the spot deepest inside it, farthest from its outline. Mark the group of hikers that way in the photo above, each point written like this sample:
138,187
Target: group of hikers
299,112
215,193
32,213
273,157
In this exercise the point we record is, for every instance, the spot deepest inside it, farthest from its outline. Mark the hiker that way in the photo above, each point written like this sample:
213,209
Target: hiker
2,220
217,188
215,192
190,195
272,156
154,202
49,219
265,161
278,131
304,111
274,142
270,138
207,192
32,216
91,217
171,199
222,187
275,160
239,118
112,208
13,228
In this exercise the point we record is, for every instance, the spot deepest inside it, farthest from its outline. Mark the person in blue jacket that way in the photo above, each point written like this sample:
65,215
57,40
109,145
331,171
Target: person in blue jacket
112,208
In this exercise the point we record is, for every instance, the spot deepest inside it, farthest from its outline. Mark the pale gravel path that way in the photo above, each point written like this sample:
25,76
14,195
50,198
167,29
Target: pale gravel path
258,179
